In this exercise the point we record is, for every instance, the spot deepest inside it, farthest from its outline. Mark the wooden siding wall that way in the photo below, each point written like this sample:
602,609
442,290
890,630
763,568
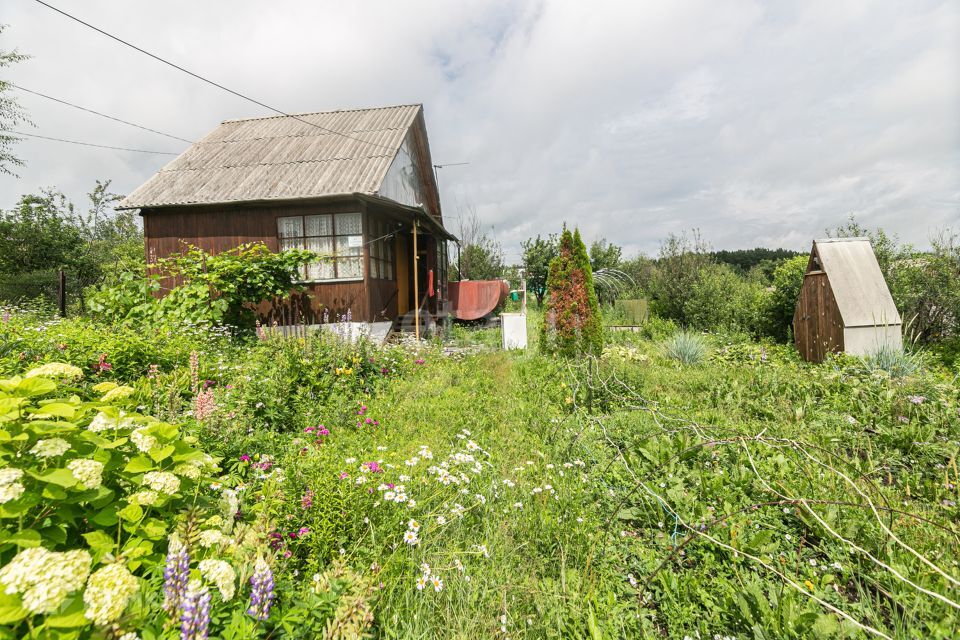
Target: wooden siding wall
219,228
817,325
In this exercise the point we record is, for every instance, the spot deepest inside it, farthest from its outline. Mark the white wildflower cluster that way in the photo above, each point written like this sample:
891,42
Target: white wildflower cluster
10,486
51,448
44,578
87,472
162,481
412,535
143,440
396,494
220,573
108,592
429,578
143,498
212,537
58,370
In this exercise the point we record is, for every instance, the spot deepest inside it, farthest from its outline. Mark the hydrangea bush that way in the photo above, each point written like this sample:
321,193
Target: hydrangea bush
88,492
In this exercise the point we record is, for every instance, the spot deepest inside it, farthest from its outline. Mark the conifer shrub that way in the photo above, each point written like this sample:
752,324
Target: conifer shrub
572,324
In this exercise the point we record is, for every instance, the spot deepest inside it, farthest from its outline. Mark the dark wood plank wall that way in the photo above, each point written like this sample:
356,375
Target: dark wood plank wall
817,325
219,228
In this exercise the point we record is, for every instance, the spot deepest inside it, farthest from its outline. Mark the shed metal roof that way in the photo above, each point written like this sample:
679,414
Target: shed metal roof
282,158
857,282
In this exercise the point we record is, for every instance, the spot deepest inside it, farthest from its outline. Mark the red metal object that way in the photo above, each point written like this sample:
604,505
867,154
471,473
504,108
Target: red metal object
473,299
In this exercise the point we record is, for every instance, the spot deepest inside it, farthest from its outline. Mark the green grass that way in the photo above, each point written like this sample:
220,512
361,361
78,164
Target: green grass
751,496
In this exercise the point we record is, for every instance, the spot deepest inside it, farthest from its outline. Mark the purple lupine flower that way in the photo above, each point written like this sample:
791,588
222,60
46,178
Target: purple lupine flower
175,575
261,593
195,620
307,500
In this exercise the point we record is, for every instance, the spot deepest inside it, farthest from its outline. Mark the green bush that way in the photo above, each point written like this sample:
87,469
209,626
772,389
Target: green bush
686,347
787,282
720,299
221,289
894,360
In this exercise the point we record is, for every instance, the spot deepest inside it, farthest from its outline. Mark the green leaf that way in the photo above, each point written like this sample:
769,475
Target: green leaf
69,616
58,409
106,518
53,492
37,386
139,465
25,538
11,609
99,540
131,513
60,477
10,408
154,529
161,454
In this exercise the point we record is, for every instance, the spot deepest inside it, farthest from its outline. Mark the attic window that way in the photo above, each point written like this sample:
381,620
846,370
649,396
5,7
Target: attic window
337,236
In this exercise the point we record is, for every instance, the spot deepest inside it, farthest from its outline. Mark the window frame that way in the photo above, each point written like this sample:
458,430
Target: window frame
381,261
333,237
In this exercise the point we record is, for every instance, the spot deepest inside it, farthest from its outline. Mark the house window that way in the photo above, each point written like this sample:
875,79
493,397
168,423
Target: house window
381,250
338,237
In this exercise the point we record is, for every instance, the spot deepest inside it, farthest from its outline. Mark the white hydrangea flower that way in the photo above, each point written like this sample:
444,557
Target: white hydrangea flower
147,498
45,578
162,481
221,574
60,370
187,470
108,592
87,472
118,393
211,537
143,440
9,475
50,448
102,422
11,491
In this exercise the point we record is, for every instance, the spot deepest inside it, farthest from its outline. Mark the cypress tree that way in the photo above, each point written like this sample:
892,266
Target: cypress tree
571,324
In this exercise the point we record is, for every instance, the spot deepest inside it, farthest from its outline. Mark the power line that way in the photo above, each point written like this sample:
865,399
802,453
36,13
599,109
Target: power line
211,82
103,115
89,144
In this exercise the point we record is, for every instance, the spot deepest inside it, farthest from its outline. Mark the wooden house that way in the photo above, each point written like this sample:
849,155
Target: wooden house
356,186
844,304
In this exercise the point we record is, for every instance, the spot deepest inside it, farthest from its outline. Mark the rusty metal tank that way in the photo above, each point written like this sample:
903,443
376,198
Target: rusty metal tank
474,299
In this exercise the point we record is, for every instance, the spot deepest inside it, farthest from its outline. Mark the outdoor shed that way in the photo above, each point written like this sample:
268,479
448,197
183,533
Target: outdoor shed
357,186
844,304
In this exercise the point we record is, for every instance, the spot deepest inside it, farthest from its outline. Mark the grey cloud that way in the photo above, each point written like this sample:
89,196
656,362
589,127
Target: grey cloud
759,123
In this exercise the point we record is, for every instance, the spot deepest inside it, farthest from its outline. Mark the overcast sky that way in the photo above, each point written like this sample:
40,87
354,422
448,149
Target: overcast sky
760,123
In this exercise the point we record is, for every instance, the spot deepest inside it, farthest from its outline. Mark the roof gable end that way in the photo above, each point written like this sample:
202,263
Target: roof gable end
858,284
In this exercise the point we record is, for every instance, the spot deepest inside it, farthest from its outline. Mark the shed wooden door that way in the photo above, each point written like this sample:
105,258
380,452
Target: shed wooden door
817,326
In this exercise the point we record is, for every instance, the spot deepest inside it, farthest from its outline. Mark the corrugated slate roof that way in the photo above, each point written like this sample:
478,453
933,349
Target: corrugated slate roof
282,158
857,282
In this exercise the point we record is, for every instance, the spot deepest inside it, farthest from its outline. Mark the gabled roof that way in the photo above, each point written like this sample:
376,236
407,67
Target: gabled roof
857,282
282,158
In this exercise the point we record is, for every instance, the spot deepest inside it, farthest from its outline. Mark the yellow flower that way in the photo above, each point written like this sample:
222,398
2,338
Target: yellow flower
809,584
